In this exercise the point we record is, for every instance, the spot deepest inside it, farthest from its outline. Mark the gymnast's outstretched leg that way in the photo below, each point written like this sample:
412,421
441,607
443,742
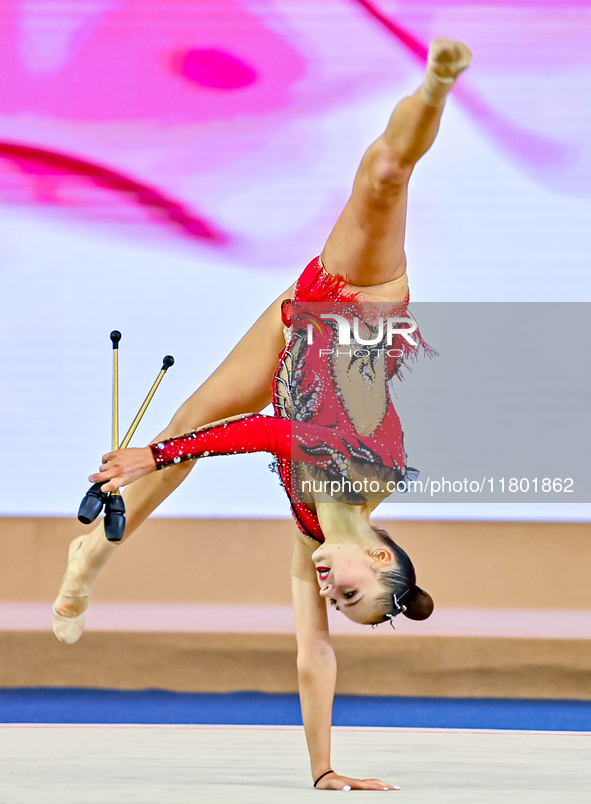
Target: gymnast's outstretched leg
367,242
240,385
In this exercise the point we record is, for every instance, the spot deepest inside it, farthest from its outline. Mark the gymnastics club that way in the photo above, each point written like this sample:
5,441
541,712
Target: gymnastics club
95,499
115,506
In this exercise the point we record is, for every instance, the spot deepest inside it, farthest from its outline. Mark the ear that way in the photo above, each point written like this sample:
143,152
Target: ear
382,556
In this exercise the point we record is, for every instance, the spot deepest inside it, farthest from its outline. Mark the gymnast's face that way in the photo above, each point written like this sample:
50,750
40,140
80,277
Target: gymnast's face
349,577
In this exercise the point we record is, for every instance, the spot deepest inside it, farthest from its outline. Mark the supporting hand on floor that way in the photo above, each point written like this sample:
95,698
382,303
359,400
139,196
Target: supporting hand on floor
333,781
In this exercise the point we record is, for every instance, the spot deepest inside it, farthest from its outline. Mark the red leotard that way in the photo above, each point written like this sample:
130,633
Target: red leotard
314,424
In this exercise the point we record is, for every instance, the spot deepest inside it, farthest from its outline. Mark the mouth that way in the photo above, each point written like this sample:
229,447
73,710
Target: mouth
323,572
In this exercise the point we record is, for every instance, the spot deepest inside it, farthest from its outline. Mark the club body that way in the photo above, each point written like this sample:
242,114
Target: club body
92,504
115,518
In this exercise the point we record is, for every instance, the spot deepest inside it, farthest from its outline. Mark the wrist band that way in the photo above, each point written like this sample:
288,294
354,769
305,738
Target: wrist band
322,775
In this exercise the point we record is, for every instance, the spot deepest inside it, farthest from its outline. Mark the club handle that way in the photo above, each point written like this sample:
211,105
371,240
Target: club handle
115,337
166,364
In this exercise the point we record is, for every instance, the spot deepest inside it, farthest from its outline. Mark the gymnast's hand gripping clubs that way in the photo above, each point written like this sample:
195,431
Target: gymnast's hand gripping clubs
95,499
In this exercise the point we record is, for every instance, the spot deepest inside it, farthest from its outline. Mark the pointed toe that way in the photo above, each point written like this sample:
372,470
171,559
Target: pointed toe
69,629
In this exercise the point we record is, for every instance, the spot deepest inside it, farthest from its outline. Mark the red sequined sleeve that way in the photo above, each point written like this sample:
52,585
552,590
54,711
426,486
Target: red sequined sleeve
249,434
314,445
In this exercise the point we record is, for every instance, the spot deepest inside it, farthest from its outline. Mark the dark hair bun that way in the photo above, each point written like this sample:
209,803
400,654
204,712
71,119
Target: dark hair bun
420,605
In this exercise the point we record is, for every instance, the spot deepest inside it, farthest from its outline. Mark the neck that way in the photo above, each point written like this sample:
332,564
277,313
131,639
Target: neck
341,522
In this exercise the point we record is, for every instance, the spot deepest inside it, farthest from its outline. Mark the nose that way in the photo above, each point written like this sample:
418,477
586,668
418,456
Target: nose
326,590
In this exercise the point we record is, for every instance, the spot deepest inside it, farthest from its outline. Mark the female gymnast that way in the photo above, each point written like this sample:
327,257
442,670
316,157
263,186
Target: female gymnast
334,421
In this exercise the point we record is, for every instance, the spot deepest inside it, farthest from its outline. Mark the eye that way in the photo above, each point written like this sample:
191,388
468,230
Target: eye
351,593
332,602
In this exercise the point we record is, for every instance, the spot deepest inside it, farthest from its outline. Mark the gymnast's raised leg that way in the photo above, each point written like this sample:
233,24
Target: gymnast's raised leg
367,242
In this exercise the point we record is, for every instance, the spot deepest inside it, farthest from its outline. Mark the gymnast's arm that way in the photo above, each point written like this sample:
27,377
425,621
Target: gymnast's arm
240,434
314,445
316,662
317,672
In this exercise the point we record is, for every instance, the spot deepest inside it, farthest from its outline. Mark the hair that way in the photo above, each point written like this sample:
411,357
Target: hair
400,587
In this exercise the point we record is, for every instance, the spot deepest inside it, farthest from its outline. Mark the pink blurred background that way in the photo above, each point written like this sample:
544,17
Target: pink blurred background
159,151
